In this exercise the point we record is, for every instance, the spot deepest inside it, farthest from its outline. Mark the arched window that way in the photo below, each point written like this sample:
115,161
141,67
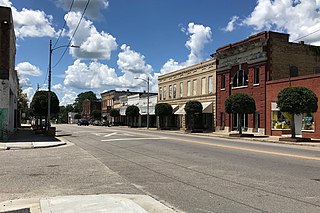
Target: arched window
240,79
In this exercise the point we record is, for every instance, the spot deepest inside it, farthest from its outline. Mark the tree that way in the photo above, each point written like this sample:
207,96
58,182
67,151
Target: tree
163,110
296,101
39,104
114,113
96,114
132,112
193,108
22,105
63,114
81,97
240,103
77,116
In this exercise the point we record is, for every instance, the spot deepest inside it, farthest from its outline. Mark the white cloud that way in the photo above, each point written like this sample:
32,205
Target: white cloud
93,9
30,23
68,94
25,68
131,61
94,75
298,18
93,45
199,36
30,92
230,27
24,82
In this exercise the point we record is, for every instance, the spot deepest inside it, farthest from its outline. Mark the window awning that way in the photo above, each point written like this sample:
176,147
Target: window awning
180,111
207,107
174,108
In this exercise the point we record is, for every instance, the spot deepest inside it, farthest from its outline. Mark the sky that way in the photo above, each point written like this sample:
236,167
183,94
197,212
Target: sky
118,41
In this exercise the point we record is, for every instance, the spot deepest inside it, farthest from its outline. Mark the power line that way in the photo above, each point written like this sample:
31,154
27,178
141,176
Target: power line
64,24
307,35
65,50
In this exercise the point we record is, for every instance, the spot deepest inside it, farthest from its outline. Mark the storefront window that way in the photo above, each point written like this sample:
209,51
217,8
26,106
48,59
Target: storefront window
308,121
280,120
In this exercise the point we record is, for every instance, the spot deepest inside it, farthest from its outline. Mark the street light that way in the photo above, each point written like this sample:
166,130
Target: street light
49,79
148,81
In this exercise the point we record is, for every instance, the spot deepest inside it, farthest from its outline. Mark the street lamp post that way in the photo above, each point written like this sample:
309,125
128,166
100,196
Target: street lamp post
148,83
49,79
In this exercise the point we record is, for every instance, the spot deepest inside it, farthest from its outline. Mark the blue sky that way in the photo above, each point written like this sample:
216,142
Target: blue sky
123,39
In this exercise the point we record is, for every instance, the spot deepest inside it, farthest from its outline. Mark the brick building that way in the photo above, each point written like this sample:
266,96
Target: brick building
89,106
8,75
247,66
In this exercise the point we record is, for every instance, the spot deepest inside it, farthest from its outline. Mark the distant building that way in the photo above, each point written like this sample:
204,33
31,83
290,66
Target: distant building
89,106
71,118
195,82
8,75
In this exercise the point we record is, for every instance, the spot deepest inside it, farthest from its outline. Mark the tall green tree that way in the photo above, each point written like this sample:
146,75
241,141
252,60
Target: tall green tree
132,112
296,101
81,97
96,114
163,110
114,113
39,104
23,105
63,113
240,103
193,108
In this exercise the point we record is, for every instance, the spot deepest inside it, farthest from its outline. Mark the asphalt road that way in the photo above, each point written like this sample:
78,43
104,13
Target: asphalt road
203,173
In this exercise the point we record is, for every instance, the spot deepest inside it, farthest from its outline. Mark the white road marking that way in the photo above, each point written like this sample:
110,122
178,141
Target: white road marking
128,139
108,135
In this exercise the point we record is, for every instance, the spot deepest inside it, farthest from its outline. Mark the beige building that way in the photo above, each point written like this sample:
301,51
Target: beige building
197,82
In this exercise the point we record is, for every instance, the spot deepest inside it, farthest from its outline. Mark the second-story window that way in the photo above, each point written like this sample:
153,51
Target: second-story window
164,93
256,75
170,91
181,89
210,85
203,86
174,91
223,81
188,88
240,79
160,93
195,87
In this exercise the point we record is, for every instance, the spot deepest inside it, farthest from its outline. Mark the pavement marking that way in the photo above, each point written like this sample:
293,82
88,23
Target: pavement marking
238,148
108,135
128,139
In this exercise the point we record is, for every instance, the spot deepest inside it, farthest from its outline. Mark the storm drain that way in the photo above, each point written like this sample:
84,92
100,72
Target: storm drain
26,210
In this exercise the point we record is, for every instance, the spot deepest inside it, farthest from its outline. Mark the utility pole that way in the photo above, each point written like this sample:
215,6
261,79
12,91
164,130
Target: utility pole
49,87
148,107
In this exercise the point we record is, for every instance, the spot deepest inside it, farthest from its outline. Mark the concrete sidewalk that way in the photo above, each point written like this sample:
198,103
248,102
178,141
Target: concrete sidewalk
111,203
25,138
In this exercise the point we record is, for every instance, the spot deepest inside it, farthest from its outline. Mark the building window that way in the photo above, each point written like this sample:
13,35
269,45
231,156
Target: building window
210,85
280,120
174,91
164,92
256,120
308,121
181,89
223,82
194,87
240,79
170,91
203,86
222,121
256,75
243,119
294,72
160,93
188,88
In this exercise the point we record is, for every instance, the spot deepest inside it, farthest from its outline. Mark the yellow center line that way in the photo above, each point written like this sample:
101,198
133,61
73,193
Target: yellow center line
238,148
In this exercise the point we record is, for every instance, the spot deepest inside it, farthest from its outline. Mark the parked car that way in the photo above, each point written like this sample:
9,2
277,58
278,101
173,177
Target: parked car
84,122
96,123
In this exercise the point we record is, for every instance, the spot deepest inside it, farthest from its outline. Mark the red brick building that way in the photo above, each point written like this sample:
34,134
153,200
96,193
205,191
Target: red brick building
247,66
89,106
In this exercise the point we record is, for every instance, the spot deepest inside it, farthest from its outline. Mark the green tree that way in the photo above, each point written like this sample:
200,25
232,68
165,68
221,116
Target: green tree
39,104
163,110
297,100
81,97
96,114
132,112
63,114
193,109
77,116
23,105
240,103
114,113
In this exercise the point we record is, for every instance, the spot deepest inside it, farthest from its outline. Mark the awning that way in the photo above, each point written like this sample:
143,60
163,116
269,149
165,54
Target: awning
207,107
180,111
174,108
